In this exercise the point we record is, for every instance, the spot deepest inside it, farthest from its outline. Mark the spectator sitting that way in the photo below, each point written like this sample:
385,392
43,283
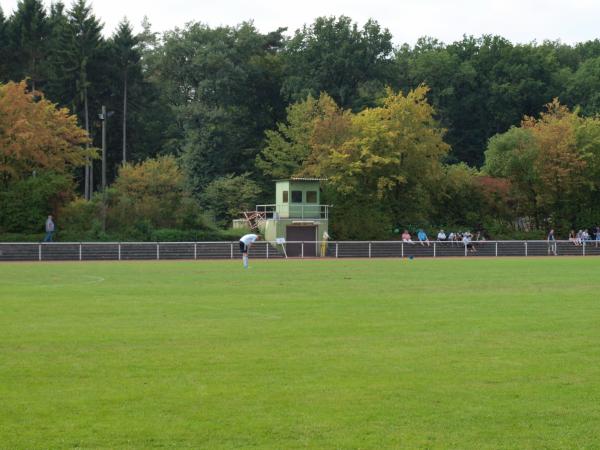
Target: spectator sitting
597,235
406,237
423,238
573,237
585,236
455,238
441,236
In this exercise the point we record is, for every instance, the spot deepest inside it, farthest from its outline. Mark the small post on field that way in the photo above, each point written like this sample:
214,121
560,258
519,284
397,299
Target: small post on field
195,250
583,249
369,249
336,249
402,249
496,248
119,249
526,252
302,249
157,251
231,251
80,252
434,249
39,252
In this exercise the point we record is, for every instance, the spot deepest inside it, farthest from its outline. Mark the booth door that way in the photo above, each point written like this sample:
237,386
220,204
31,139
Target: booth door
301,234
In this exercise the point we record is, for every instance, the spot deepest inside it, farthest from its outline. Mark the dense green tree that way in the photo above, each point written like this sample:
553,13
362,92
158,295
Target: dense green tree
482,86
334,55
227,197
224,86
584,87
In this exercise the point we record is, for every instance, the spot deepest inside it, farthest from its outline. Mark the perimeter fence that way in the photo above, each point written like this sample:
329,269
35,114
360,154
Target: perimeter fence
124,251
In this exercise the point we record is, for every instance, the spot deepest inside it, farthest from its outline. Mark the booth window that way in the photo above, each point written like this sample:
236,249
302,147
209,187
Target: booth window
296,196
285,196
311,197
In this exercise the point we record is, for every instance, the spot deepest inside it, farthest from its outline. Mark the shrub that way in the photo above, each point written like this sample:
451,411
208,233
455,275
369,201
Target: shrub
26,203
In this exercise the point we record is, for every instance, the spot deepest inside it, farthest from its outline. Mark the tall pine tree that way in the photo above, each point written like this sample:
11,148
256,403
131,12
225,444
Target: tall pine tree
29,32
126,56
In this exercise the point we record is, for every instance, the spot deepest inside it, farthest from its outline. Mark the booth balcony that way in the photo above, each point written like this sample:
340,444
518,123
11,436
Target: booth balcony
293,211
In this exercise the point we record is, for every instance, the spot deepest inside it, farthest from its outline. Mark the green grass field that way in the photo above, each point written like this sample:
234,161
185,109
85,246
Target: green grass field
461,353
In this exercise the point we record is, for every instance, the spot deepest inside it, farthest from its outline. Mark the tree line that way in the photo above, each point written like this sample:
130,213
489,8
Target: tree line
409,135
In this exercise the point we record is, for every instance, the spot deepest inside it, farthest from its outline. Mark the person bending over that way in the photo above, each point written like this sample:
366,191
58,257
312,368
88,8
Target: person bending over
246,242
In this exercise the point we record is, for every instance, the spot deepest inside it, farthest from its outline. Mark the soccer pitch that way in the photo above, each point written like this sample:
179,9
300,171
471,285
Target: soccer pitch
462,353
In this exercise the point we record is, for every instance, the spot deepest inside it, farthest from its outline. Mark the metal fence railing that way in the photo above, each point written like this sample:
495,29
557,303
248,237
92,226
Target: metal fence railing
122,251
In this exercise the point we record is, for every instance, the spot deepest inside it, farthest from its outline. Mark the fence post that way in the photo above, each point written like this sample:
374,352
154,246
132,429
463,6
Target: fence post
466,249
39,252
336,249
434,249
583,249
496,248
231,251
402,250
267,249
119,251
195,250
80,251
526,253
157,251
369,249
302,245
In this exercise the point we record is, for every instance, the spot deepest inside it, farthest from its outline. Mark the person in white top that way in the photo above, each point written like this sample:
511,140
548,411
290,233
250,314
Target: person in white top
246,242
441,236
326,237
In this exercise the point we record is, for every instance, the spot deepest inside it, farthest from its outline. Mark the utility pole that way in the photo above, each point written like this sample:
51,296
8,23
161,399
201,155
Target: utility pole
103,118
125,119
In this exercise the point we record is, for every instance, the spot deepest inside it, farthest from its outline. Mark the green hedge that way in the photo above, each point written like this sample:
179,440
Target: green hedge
161,235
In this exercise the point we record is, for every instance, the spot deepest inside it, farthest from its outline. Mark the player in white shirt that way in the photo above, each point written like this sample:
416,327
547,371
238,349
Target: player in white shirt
246,242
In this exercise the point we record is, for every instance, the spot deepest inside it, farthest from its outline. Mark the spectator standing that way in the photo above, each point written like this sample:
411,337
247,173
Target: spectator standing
551,243
467,241
49,229
326,237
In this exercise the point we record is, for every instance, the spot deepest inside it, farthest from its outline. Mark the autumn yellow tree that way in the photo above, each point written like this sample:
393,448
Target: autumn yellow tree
35,135
552,163
382,164
154,191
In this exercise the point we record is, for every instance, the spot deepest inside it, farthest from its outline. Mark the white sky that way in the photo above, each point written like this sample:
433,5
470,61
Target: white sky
518,20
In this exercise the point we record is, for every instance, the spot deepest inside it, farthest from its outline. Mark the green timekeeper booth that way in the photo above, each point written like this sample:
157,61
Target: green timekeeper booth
297,216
